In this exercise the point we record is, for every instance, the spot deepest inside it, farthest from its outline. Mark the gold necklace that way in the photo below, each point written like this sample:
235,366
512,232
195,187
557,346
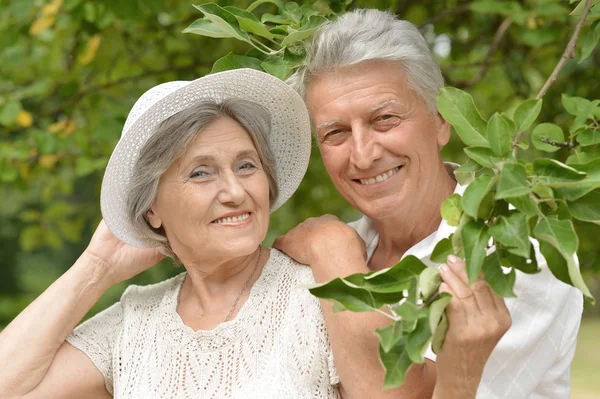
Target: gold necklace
245,285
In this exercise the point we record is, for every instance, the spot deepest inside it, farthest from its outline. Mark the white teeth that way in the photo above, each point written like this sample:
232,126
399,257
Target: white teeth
233,219
380,178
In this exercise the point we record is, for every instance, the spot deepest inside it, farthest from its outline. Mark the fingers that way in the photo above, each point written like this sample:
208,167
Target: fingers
457,285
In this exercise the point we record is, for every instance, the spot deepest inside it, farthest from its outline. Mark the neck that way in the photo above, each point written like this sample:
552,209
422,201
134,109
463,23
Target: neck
211,286
418,219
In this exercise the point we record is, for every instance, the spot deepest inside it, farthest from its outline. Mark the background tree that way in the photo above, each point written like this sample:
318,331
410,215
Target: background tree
71,70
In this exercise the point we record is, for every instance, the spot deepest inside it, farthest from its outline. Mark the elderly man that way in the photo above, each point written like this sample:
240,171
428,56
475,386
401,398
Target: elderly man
371,86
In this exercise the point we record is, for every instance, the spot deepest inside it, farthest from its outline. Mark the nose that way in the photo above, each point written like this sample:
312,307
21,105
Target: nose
365,148
232,190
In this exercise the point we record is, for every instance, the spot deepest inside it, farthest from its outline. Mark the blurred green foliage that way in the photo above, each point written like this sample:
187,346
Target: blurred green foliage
72,69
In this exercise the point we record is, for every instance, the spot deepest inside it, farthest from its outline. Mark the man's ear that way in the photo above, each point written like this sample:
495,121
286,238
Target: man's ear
443,130
152,218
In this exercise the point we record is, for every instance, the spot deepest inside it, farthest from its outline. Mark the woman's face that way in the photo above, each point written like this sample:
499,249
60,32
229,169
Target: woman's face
213,202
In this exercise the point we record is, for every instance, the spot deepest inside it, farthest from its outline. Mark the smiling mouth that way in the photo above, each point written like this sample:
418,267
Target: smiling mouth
232,219
379,178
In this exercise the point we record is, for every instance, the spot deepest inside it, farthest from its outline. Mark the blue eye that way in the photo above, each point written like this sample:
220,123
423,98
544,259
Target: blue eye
198,173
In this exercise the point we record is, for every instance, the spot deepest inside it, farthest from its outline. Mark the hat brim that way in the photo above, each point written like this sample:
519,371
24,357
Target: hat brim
289,139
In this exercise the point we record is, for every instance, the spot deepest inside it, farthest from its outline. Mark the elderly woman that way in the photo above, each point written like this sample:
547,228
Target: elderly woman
371,84
198,169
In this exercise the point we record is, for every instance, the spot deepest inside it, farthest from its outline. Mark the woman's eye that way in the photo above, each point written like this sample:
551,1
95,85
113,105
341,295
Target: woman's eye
198,173
247,166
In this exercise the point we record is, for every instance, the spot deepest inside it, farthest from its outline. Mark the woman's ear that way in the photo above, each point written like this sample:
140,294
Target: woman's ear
154,220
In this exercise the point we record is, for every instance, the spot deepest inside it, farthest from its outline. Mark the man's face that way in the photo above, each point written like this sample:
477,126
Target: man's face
378,141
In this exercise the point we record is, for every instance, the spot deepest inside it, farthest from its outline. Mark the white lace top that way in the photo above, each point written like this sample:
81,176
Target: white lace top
276,347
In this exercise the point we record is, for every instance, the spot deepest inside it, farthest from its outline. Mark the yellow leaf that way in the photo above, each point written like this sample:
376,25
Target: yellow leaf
68,130
41,24
48,160
531,23
24,169
24,119
91,48
57,126
51,8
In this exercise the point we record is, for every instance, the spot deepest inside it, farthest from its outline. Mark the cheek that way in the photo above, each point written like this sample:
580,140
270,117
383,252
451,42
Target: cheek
334,159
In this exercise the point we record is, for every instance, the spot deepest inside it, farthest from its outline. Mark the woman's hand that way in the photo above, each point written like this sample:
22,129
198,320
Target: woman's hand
319,235
477,319
117,260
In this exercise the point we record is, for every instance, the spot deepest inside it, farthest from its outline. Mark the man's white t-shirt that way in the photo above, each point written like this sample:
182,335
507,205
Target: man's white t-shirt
533,358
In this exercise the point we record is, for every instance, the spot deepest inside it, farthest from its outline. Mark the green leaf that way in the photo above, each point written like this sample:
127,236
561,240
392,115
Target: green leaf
429,282
465,174
498,134
438,310
458,108
389,336
527,265
409,313
506,8
513,181
9,112
475,193
224,20
513,233
452,209
232,61
475,237
314,22
577,189
483,156
590,42
205,27
277,67
526,113
249,22
577,106
275,19
588,137
502,283
523,144
556,174
548,131
561,235
525,204
442,250
387,280
257,3
294,11
586,208
419,339
396,363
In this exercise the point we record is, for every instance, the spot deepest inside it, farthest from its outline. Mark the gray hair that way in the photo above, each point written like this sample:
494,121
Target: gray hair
170,141
372,35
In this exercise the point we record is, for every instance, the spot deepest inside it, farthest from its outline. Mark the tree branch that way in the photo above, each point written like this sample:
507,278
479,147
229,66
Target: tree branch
567,54
442,15
569,51
559,143
498,37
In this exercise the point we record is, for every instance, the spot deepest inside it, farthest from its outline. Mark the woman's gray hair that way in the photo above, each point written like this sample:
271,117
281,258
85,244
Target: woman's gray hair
171,140
370,35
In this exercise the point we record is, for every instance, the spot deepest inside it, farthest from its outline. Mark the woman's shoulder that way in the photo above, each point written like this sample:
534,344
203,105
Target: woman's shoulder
152,294
288,268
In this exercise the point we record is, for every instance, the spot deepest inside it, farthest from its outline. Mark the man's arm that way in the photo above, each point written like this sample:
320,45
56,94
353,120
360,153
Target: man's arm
352,338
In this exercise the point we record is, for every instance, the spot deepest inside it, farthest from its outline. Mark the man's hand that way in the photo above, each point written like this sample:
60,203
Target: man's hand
319,235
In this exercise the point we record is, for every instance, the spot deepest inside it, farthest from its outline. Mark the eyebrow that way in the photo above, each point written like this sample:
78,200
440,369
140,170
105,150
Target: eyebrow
208,157
383,105
372,109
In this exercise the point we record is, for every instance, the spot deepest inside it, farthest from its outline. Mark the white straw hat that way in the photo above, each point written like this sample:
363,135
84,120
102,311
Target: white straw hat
289,139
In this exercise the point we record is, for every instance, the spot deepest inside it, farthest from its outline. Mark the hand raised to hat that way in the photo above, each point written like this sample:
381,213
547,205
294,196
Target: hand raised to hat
319,234
118,261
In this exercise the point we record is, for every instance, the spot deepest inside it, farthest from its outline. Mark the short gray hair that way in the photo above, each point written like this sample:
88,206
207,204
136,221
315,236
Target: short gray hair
372,35
170,141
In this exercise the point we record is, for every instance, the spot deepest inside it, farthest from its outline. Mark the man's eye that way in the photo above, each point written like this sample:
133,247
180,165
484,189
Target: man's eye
333,132
385,117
